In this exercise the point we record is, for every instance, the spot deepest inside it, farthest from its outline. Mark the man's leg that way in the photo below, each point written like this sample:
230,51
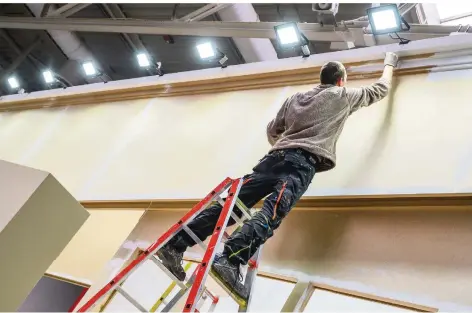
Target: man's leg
256,186
291,185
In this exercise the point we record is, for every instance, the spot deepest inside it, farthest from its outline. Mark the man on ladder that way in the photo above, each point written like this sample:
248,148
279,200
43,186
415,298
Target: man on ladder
303,136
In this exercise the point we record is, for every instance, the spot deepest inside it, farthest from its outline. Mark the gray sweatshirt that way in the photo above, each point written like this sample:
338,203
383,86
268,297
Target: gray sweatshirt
313,120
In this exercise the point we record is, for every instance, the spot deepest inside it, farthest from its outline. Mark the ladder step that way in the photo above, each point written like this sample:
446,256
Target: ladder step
194,237
240,301
128,297
243,208
239,221
165,270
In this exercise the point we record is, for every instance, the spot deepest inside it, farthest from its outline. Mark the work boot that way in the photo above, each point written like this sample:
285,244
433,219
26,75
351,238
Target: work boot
230,275
172,260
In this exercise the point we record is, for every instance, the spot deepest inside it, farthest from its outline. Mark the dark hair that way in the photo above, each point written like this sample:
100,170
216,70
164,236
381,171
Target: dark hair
331,72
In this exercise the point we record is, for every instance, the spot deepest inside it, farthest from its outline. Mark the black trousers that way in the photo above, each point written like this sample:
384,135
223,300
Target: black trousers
283,176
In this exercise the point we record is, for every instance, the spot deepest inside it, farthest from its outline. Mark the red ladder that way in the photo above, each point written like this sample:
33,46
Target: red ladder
195,286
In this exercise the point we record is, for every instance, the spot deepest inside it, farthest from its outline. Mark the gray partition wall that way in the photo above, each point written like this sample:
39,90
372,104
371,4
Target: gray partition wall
51,295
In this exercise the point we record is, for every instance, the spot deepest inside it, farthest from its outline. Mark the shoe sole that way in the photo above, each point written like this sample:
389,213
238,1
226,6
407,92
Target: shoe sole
233,294
168,265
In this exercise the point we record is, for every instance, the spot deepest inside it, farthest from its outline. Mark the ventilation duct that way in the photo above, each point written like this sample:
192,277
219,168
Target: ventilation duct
252,49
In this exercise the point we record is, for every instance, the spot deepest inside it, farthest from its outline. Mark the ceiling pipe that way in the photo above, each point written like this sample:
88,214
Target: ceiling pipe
70,45
252,49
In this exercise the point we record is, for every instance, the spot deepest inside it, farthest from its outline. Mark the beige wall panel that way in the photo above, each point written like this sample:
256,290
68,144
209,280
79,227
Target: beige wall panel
20,132
190,144
415,141
95,244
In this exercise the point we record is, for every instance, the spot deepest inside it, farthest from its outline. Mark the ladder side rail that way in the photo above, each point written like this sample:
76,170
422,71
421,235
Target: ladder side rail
215,239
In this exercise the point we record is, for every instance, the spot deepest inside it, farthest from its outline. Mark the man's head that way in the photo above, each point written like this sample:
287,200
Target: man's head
333,73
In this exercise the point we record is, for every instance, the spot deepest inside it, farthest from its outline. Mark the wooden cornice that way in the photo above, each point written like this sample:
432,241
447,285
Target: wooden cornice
460,201
281,78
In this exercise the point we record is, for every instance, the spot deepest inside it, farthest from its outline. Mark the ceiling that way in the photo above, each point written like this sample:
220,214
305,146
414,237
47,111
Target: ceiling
117,57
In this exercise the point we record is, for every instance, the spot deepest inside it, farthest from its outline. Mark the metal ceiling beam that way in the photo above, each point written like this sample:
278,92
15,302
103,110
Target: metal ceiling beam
68,9
428,13
406,8
133,40
45,10
9,40
214,10
19,59
114,11
312,31
195,13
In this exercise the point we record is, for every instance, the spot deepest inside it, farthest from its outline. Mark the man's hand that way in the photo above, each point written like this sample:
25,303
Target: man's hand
391,59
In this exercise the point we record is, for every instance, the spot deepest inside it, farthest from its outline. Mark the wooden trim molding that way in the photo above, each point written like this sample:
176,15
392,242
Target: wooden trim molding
67,280
458,201
313,286
370,297
301,76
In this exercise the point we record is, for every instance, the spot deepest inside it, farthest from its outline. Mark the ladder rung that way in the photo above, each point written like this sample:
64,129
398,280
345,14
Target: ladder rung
238,221
130,299
165,270
243,209
194,237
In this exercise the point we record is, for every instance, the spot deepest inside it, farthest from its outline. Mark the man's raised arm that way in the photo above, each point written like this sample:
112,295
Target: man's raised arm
365,96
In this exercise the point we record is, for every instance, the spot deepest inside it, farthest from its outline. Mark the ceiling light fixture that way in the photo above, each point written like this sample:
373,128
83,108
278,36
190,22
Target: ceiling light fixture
89,69
289,36
48,77
143,60
208,51
386,19
13,82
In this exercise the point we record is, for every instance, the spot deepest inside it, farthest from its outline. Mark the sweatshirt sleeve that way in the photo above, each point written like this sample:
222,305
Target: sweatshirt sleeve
277,126
365,96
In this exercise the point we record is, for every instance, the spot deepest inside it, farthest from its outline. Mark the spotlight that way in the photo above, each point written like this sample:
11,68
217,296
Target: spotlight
89,69
13,82
208,52
53,80
48,77
146,61
143,60
289,36
386,19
